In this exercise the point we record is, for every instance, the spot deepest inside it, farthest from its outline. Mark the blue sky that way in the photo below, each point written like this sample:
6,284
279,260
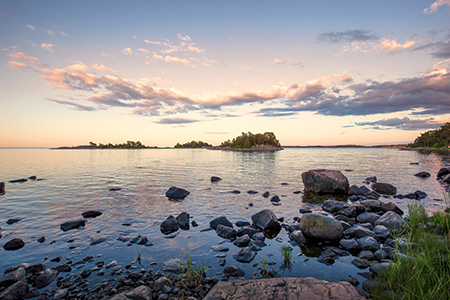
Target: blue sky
162,72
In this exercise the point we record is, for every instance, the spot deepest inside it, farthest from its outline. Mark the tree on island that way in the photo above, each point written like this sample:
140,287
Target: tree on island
193,144
439,138
127,145
249,140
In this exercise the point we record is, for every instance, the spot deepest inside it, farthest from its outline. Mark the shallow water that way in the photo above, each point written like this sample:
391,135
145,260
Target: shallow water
79,180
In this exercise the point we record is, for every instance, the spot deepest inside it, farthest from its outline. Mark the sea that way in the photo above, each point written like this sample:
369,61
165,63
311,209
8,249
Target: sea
129,186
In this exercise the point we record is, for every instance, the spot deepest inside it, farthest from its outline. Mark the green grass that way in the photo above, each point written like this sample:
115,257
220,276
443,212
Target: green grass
191,275
425,272
286,251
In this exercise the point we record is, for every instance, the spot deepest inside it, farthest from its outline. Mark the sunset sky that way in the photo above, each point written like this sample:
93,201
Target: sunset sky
161,72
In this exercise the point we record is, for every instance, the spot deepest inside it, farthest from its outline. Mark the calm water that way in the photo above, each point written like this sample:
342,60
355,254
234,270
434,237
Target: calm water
79,180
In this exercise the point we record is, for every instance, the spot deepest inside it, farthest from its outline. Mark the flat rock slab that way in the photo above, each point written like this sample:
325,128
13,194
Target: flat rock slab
283,288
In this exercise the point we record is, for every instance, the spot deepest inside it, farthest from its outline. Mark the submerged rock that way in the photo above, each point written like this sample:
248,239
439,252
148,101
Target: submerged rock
18,180
325,182
222,220
12,221
91,214
176,193
321,227
225,232
244,255
297,236
72,224
233,271
14,244
215,179
422,174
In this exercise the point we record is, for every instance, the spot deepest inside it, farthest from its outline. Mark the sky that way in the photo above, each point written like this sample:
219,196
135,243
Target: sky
161,72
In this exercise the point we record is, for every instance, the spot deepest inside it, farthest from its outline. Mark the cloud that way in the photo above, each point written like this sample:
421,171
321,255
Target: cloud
75,106
48,47
383,45
348,36
402,124
392,46
440,47
106,55
23,57
175,121
288,61
167,58
31,27
17,65
50,33
98,67
64,34
128,51
435,6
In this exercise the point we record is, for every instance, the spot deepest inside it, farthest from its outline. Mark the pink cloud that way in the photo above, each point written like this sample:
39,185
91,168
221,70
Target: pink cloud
48,47
17,65
31,27
435,6
98,67
128,51
23,57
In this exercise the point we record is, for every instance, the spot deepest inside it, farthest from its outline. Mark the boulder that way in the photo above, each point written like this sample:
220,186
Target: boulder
15,291
160,283
349,244
222,220
381,231
317,226
72,224
63,268
368,243
367,255
359,263
250,231
391,221
45,278
220,248
242,223
333,206
13,268
245,255
225,232
355,190
35,268
242,241
169,225
297,236
359,231
283,288
215,179
384,188
183,220
391,206
142,292
422,174
233,271
12,277
325,182
91,214
176,193
14,244
266,220
372,204
367,218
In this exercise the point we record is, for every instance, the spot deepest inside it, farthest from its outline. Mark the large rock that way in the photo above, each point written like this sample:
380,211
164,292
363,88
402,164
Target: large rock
283,288
14,244
176,193
72,224
244,255
384,188
242,241
321,227
142,292
266,220
12,277
391,221
325,182
169,225
183,220
15,291
225,232
368,243
222,220
45,278
367,218
297,236
391,206
333,206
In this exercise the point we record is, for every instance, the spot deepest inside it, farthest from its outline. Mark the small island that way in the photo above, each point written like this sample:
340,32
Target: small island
193,144
250,142
127,145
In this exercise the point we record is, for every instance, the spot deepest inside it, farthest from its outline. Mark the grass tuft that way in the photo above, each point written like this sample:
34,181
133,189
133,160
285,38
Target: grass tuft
191,275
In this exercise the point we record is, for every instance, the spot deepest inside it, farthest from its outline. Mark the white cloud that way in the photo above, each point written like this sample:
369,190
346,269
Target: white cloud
48,47
64,34
128,51
435,6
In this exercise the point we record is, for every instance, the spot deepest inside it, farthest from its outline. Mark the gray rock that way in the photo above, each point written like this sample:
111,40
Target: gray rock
160,283
266,220
35,268
63,268
283,288
325,182
225,232
391,221
367,217
333,206
244,255
368,243
384,188
420,195
381,231
15,291
297,236
250,231
317,226
242,241
366,254
372,204
242,223
359,263
215,179
349,244
140,293
259,236
380,268
233,271
222,220
183,220
172,265
45,278
381,254
176,193
12,277
14,244
391,206
72,224
169,225
372,179
13,268
220,248
60,294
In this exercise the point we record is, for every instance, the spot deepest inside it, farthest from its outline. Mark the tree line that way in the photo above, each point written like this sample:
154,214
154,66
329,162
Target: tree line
439,138
248,140
127,145
193,144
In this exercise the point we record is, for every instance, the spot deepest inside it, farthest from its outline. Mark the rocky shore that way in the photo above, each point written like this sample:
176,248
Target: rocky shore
362,227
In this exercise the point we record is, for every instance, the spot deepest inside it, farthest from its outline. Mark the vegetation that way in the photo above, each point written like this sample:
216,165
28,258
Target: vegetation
193,144
190,275
139,258
424,271
264,266
439,138
249,140
286,251
127,145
